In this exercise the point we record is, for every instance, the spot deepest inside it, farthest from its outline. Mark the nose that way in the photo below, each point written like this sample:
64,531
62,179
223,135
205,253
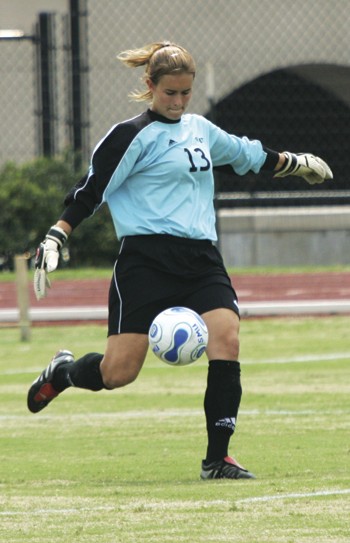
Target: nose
177,101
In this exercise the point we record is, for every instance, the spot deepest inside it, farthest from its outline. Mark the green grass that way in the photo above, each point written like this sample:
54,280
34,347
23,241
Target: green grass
106,273
123,466
69,273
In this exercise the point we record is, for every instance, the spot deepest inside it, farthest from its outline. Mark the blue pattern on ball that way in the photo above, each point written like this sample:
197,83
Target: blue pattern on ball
180,337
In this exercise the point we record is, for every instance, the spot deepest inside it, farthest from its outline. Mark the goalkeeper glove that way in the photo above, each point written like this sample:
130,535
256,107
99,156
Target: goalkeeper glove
46,259
311,168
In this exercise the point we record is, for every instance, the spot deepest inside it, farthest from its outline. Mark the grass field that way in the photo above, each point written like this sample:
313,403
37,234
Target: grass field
123,466
105,273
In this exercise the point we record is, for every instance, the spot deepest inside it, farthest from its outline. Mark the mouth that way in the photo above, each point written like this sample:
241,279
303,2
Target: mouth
175,111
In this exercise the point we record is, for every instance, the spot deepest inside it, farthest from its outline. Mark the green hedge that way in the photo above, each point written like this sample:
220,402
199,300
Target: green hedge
31,200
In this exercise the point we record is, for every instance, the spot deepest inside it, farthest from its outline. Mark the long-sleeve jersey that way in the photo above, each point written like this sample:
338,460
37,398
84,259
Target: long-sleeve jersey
156,175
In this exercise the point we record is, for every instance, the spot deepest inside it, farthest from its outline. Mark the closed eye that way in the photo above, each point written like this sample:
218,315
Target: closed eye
172,93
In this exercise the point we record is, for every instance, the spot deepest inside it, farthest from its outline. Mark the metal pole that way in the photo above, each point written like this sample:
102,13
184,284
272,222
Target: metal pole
47,84
21,269
79,80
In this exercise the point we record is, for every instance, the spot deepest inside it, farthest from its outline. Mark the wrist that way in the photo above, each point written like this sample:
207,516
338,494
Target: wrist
281,162
289,163
66,227
58,235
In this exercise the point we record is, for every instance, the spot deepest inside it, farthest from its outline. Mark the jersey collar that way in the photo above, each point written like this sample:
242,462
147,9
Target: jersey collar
156,117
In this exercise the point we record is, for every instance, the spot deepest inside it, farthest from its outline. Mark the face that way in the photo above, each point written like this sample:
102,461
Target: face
171,95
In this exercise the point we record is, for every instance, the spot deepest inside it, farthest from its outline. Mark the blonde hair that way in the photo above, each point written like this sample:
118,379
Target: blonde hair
160,58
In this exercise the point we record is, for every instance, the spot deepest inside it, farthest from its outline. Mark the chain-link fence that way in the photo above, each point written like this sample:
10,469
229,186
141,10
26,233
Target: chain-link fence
276,71
18,101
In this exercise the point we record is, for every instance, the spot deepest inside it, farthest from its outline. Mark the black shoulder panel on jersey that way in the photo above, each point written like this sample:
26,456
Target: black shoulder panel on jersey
112,148
88,192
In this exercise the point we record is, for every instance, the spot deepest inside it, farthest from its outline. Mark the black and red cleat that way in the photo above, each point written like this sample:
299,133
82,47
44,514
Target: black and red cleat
41,393
227,468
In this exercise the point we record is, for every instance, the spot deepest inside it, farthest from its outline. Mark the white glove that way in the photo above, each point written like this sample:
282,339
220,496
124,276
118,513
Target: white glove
46,259
311,168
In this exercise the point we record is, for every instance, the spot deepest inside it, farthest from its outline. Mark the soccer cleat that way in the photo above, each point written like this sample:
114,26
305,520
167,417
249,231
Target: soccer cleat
228,468
42,392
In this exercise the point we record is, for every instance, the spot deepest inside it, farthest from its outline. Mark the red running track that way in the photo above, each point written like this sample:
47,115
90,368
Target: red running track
249,288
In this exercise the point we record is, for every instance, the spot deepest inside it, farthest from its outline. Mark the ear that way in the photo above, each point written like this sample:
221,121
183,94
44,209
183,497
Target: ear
150,85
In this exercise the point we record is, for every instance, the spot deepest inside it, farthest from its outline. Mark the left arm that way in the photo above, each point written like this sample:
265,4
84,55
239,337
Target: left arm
311,168
243,155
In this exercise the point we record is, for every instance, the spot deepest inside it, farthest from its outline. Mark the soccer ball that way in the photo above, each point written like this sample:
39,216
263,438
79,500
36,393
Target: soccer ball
178,336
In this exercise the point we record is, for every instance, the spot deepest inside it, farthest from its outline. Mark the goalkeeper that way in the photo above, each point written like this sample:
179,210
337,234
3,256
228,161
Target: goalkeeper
155,173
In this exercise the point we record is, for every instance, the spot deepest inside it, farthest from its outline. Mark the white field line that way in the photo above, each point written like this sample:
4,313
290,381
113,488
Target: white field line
291,360
162,415
297,495
176,505
301,359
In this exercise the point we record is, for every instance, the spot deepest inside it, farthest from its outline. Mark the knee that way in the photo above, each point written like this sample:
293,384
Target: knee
224,346
233,345
235,348
230,342
223,326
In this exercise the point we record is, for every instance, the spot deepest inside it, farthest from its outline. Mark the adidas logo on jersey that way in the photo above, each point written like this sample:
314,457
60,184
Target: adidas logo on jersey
171,142
228,422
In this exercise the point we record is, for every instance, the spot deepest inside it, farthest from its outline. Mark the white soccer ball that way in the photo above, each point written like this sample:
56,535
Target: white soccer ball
178,336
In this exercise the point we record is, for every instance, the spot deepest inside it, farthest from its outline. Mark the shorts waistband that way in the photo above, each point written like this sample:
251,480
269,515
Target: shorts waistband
171,239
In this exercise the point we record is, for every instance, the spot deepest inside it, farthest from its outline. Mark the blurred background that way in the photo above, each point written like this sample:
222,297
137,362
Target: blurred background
270,70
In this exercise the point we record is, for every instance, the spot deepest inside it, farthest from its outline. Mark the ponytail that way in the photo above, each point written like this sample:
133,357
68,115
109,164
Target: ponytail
160,58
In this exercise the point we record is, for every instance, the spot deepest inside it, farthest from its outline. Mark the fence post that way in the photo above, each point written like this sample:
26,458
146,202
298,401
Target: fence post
47,85
21,270
78,69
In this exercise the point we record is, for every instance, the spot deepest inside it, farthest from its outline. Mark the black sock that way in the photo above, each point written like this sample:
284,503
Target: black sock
84,373
221,404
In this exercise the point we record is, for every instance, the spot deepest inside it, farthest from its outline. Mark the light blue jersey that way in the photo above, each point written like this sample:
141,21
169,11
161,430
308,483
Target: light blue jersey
156,175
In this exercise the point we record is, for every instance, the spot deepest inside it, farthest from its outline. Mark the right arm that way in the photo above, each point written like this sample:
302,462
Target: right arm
81,202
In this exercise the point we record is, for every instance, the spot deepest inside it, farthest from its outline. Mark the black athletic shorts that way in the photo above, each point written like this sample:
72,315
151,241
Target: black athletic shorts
154,272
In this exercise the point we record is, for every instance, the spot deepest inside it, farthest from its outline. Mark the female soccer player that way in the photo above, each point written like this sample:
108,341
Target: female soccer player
155,172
